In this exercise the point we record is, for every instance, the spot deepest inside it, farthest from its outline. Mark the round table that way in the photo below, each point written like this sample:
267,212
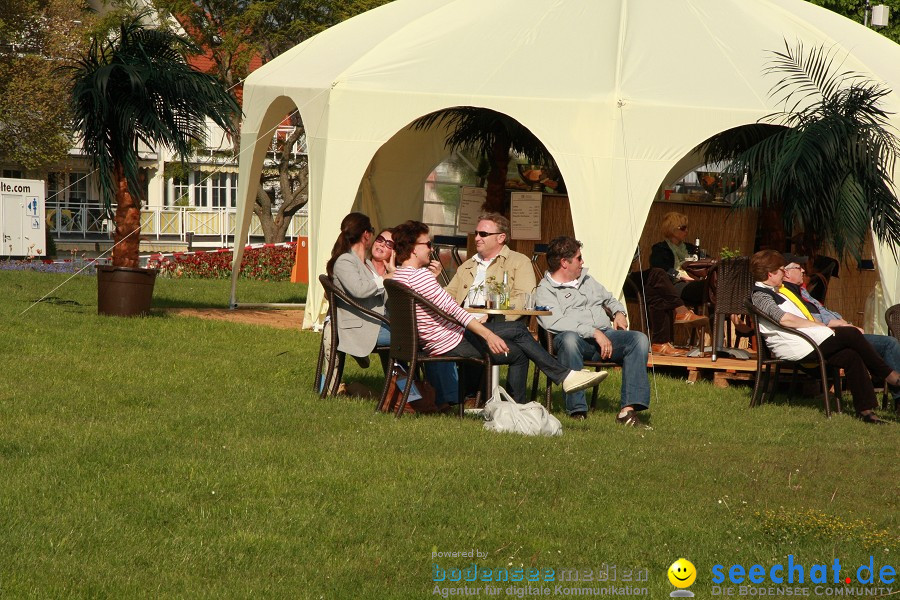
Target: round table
502,313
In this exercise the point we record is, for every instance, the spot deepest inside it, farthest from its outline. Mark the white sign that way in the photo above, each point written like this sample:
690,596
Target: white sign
22,218
525,215
471,199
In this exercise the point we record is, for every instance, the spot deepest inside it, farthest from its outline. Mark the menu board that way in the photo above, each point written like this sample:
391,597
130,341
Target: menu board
525,215
471,199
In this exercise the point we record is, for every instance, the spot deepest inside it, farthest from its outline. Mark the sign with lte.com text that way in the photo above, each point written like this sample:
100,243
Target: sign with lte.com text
22,218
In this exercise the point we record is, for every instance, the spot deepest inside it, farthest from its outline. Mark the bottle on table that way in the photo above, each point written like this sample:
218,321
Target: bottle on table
504,292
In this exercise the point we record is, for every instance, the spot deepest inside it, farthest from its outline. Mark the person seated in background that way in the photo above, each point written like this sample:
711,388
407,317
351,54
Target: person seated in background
509,342
671,253
792,287
667,288
584,331
362,279
842,346
493,258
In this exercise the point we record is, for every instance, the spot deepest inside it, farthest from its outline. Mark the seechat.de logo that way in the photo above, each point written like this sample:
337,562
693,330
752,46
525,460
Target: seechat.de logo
682,574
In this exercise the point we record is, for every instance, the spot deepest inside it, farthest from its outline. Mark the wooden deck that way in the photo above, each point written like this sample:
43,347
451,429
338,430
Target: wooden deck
722,371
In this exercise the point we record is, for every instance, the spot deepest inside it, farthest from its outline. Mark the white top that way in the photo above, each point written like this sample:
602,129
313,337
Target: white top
783,342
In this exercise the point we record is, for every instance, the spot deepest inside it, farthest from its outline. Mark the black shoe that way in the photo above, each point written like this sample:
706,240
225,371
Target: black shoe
871,418
578,416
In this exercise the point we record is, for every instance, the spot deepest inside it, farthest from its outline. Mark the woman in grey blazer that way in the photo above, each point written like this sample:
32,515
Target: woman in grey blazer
358,334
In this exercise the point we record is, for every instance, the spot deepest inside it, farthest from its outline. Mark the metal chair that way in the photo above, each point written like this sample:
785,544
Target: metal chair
892,318
540,251
768,366
402,304
335,358
733,285
546,339
452,244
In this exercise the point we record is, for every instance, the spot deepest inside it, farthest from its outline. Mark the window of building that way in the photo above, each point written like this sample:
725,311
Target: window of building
203,190
67,189
12,173
441,202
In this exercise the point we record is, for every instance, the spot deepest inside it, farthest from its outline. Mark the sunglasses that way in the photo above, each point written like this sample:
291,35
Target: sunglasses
579,258
682,228
427,244
388,243
484,234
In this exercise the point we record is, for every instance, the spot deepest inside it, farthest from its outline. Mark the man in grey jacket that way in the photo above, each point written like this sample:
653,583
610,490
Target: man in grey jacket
584,331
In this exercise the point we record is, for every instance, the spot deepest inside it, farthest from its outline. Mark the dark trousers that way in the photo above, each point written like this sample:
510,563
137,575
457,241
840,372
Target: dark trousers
661,299
849,350
522,348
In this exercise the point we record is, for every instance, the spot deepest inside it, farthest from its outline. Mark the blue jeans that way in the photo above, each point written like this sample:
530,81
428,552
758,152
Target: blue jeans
630,349
887,348
441,375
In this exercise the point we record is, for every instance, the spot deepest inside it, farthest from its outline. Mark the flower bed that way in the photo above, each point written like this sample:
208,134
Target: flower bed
46,265
271,262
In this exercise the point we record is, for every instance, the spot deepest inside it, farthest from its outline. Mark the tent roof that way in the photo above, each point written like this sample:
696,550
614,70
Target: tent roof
618,91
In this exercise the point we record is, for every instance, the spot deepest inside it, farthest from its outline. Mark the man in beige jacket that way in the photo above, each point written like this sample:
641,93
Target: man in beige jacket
493,258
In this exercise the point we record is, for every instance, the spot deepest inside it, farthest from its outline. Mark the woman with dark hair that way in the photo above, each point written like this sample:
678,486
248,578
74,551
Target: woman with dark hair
509,342
358,334
843,347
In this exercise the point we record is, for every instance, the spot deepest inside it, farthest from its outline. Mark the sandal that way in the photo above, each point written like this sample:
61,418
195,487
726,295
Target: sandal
630,419
871,418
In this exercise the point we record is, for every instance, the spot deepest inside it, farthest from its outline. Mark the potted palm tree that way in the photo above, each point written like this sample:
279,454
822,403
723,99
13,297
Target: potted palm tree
492,135
826,162
135,86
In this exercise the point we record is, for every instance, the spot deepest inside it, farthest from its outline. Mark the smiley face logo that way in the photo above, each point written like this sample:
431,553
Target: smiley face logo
682,573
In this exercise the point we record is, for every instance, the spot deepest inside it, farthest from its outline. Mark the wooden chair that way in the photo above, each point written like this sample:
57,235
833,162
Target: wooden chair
335,358
402,303
768,366
546,339
733,284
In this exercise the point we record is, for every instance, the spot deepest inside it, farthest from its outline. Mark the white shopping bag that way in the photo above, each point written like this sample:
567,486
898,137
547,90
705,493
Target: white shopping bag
501,413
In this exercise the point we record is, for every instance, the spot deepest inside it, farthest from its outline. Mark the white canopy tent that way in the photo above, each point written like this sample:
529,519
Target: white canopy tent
618,91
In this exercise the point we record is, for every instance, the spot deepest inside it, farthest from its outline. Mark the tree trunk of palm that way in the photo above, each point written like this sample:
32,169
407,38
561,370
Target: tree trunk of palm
127,235
495,200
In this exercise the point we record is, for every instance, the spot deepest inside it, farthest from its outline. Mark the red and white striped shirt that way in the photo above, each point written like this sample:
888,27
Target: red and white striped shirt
439,334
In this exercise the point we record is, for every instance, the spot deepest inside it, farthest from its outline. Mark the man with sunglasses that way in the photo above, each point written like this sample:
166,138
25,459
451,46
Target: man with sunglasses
493,258
792,288
584,329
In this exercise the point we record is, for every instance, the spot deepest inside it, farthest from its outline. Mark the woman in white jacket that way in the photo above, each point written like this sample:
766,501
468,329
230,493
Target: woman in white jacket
843,347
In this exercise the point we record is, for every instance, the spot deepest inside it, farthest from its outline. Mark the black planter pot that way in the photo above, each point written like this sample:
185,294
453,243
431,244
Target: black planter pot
124,291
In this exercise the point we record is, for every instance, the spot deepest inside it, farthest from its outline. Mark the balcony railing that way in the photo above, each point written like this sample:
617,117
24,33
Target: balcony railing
202,226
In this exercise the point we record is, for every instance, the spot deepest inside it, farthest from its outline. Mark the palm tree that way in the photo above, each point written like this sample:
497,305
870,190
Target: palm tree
133,87
826,161
492,135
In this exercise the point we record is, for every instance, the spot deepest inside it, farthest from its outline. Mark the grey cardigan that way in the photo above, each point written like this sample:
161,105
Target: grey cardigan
357,332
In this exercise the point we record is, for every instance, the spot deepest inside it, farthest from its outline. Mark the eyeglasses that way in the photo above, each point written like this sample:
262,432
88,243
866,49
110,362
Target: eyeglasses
371,229
579,258
681,228
388,243
428,244
484,234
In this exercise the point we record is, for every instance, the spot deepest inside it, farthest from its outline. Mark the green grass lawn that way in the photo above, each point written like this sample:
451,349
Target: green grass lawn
175,457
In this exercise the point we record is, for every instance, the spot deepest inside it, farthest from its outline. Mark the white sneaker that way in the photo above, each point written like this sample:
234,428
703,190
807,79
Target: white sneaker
579,380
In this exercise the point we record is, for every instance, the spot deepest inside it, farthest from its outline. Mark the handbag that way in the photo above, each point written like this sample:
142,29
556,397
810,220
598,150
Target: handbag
698,269
421,398
502,413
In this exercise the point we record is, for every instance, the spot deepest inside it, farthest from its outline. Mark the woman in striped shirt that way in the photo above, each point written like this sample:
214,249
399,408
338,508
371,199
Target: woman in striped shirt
508,342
